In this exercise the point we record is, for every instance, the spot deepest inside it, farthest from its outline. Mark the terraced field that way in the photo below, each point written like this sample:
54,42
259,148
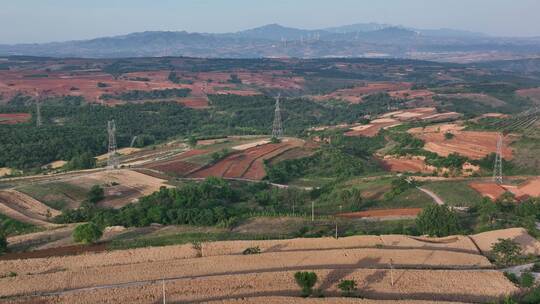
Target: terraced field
390,267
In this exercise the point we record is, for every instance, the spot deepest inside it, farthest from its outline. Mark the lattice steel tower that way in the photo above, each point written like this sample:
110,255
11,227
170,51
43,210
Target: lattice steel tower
112,162
497,167
277,128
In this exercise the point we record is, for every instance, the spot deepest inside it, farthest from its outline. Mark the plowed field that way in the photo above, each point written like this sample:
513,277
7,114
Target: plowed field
248,164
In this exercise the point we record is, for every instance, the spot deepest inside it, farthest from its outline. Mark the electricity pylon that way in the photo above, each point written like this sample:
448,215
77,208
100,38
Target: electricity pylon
112,162
497,167
277,128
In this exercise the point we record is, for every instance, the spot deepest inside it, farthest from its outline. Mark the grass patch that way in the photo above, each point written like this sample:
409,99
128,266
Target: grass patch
455,193
13,227
56,195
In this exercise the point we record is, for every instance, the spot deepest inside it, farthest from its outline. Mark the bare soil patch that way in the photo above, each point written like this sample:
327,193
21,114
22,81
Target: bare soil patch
25,208
384,213
14,118
528,244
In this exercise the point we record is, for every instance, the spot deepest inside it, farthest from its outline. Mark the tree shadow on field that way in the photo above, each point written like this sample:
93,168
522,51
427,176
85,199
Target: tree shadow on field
337,275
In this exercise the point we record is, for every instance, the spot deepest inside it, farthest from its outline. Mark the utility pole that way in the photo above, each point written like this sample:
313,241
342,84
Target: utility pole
497,167
312,211
340,208
112,162
163,285
392,272
277,127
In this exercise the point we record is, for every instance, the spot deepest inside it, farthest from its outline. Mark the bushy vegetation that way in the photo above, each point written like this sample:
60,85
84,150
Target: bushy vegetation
3,243
306,281
96,194
148,95
505,252
87,233
343,157
436,220
347,287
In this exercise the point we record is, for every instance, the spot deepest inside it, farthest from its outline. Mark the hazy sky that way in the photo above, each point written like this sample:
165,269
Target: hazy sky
57,20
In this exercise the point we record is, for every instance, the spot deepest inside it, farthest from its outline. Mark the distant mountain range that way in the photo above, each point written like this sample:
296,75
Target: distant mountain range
274,40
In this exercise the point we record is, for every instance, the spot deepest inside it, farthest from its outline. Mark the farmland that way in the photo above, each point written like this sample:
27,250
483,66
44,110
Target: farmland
423,268
377,157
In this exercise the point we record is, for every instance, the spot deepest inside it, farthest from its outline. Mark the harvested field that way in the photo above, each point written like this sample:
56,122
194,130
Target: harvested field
5,171
528,244
373,128
38,239
251,145
472,144
56,164
424,269
530,188
384,213
14,118
121,186
473,286
24,208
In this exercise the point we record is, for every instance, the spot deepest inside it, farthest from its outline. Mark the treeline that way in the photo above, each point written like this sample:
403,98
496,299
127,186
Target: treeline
70,130
148,95
72,127
208,203
342,157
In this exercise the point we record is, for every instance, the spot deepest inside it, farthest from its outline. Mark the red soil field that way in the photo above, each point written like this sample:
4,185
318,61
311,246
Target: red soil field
354,95
473,144
533,93
382,213
488,189
412,165
195,102
177,165
246,164
14,118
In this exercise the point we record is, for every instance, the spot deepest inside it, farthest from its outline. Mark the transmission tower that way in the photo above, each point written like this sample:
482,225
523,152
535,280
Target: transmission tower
112,162
277,128
38,112
497,167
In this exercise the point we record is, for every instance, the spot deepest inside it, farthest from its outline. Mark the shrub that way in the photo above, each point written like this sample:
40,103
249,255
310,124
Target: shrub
96,194
505,252
512,277
532,298
252,250
3,243
536,267
87,233
306,281
527,280
347,287
448,135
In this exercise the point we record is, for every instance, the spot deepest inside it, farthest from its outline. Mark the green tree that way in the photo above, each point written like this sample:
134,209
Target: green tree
505,252
347,287
527,279
96,194
436,220
306,281
192,141
3,243
81,161
87,233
